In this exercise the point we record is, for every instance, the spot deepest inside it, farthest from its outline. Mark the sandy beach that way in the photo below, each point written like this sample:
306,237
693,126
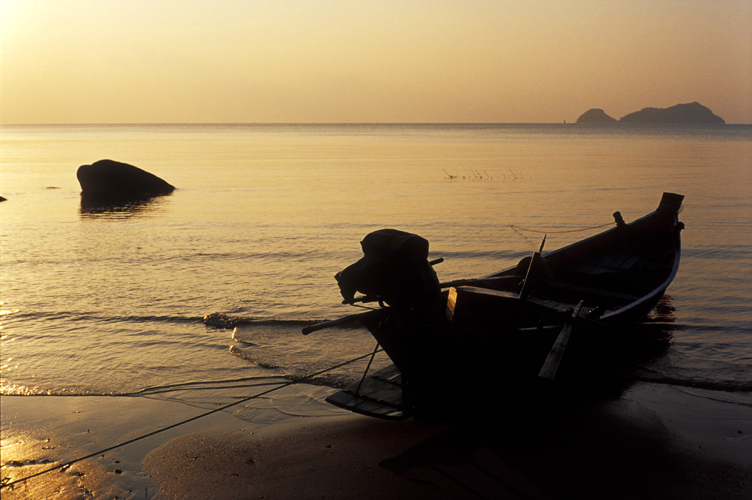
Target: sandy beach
654,442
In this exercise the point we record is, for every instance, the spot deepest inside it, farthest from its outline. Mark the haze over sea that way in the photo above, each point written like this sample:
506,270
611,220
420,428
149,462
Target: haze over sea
110,302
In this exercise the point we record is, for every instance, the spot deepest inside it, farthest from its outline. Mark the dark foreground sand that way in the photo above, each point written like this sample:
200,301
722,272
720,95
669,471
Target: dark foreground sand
655,442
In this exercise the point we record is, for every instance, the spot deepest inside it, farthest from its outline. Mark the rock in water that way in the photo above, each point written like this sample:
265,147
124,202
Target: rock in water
219,320
113,180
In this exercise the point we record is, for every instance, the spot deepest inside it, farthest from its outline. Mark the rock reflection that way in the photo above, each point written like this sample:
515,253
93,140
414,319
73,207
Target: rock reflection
97,208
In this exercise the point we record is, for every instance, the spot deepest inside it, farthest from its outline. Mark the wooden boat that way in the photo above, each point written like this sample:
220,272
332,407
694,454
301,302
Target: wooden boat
563,315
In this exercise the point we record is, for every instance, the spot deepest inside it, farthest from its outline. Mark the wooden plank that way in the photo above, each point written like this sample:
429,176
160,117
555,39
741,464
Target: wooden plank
652,265
611,261
379,390
590,269
390,373
380,395
551,365
630,263
481,305
479,281
550,303
364,406
588,290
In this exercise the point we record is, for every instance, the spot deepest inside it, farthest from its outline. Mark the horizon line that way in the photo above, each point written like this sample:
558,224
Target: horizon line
564,122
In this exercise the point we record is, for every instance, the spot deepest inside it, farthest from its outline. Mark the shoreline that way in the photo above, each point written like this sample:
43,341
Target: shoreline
653,442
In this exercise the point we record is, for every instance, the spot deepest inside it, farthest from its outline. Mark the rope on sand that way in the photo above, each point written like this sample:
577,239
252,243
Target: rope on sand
241,401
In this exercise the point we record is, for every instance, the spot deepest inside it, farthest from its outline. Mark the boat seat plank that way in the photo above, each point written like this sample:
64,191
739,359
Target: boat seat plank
469,303
555,305
630,263
652,265
588,290
592,269
611,260
609,263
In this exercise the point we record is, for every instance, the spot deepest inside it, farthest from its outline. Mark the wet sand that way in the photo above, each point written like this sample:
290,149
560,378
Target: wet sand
654,442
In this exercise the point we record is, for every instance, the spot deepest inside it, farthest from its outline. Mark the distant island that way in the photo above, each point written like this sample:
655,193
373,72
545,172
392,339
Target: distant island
595,115
681,113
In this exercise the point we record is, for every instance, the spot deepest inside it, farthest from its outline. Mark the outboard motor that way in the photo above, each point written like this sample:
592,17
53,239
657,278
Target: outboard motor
394,269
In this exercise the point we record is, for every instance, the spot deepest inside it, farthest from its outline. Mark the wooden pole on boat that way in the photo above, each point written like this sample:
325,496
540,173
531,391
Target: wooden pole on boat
527,284
340,321
551,365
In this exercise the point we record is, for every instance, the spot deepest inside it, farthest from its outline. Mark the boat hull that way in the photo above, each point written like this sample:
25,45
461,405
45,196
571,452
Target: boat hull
490,339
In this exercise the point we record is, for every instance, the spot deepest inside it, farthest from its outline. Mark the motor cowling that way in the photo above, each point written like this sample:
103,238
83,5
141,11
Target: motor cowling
394,269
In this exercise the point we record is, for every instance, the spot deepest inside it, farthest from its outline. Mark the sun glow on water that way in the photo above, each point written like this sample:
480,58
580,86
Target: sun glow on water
108,301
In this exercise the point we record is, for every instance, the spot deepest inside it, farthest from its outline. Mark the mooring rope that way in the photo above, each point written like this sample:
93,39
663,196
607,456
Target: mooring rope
234,383
216,410
518,228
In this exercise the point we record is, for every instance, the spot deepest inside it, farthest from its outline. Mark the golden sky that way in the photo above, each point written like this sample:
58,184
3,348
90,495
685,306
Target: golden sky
318,61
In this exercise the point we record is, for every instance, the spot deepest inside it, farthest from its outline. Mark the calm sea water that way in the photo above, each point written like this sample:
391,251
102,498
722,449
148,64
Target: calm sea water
111,302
